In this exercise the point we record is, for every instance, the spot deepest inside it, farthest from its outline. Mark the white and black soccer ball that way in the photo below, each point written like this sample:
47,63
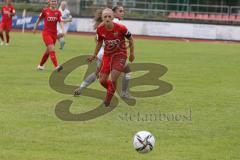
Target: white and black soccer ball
143,142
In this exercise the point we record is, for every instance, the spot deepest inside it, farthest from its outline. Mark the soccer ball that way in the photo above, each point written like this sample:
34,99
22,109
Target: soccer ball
143,141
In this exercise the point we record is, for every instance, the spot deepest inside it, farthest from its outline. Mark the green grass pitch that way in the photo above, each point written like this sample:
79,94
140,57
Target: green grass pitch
205,77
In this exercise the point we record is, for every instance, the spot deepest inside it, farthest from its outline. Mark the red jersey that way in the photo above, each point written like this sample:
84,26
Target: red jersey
51,18
114,40
5,17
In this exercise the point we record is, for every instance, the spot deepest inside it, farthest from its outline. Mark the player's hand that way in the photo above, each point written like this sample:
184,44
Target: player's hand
131,57
91,58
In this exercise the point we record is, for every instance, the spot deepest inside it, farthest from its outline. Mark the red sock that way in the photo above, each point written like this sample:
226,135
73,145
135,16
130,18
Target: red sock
44,58
7,37
53,58
1,36
111,88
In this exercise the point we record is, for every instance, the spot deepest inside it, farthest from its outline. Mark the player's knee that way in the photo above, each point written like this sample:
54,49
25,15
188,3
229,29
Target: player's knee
127,69
50,48
102,81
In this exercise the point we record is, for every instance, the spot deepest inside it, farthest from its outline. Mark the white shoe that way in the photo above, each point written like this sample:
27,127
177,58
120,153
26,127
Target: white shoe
127,95
40,67
2,43
7,44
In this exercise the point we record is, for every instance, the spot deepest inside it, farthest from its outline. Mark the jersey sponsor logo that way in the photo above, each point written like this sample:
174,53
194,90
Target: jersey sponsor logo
112,42
115,45
51,19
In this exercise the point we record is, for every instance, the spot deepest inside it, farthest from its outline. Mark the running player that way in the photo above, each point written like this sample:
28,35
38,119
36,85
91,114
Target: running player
115,52
51,16
118,14
66,18
7,12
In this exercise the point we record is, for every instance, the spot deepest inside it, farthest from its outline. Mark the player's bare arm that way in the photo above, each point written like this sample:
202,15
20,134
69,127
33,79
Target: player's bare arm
131,46
36,25
97,49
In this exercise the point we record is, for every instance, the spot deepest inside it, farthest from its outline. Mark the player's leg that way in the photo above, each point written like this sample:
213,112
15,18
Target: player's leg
7,32
117,65
89,80
104,70
52,54
45,56
1,33
7,37
43,60
111,86
60,37
61,40
125,83
50,41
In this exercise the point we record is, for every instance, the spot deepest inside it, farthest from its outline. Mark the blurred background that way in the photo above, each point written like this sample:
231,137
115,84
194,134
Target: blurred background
196,19
209,11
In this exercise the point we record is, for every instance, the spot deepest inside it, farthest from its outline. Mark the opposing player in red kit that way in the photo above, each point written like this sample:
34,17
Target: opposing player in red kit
7,12
51,16
115,52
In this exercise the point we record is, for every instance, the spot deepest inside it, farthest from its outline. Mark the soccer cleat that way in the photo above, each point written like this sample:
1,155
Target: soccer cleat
7,44
2,43
105,104
78,92
40,67
126,95
59,68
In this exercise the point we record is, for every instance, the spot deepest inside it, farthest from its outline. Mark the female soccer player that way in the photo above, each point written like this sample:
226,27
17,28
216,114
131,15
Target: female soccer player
115,52
66,18
51,16
7,12
118,14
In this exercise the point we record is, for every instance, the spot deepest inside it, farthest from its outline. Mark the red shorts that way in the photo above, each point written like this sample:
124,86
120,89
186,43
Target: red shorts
113,62
5,26
49,38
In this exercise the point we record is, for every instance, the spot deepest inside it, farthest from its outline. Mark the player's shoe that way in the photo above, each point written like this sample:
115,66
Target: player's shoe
77,92
59,68
2,43
7,44
127,95
40,67
105,104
